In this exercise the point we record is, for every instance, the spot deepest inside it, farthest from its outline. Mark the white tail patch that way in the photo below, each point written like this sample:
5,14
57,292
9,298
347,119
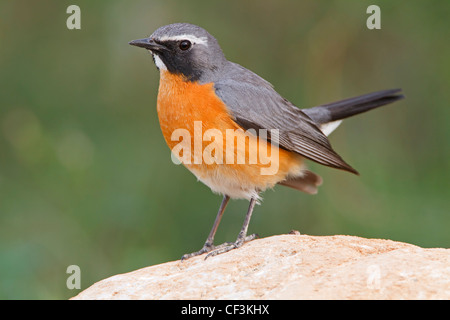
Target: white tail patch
328,128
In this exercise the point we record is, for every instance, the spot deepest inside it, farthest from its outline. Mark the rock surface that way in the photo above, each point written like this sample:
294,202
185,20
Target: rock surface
292,267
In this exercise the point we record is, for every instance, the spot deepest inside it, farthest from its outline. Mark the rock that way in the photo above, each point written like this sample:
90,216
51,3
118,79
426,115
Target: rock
292,267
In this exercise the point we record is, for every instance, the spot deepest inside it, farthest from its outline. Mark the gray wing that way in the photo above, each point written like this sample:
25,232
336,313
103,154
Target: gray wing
254,104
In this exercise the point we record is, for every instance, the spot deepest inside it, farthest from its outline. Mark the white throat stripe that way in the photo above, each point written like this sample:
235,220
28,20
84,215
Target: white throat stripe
190,37
159,63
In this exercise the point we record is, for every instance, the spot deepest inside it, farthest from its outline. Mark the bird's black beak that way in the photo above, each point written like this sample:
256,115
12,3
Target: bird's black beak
148,44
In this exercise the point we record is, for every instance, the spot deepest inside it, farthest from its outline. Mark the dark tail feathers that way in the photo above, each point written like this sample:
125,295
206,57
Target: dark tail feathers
349,107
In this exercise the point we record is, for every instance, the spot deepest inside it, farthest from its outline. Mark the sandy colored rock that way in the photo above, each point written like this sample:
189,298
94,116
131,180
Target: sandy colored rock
292,267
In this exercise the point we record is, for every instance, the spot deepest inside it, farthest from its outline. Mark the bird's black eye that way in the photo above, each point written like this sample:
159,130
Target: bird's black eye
185,45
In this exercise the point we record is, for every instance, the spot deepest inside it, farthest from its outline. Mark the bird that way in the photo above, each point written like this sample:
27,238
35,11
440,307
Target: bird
200,89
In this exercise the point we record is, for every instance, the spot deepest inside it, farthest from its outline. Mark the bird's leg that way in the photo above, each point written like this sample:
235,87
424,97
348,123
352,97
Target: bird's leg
209,244
242,237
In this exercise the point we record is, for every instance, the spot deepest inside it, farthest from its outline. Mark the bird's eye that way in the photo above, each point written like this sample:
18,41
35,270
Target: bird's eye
185,45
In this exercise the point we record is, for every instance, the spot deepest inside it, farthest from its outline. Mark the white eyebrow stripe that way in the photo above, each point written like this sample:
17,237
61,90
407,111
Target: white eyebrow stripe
190,37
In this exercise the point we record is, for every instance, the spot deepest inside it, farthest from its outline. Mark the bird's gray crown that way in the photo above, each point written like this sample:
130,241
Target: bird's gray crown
200,62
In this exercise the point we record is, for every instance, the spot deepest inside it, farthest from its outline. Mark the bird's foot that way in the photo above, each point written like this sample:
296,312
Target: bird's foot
207,247
213,250
228,246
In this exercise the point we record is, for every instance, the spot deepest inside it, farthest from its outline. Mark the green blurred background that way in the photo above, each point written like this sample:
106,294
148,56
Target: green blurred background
86,177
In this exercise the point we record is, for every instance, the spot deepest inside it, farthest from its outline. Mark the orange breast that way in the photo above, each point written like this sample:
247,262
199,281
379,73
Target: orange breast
212,153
